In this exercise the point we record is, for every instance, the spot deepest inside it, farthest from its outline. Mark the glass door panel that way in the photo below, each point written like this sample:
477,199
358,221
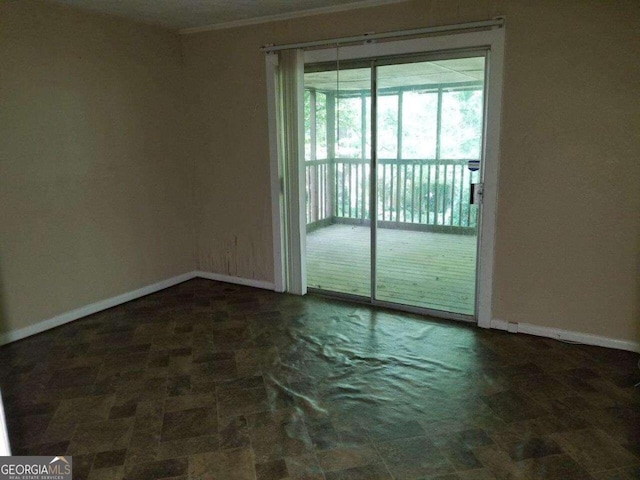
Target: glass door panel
337,168
429,138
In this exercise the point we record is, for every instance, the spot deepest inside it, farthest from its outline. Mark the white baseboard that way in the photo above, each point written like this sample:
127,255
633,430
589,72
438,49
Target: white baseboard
497,324
559,334
237,280
72,315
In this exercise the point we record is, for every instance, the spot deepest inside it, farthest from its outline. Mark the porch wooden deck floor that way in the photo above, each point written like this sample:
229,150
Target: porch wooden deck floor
430,270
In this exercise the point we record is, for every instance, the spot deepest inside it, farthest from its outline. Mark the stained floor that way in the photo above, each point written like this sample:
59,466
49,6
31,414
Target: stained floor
207,380
421,269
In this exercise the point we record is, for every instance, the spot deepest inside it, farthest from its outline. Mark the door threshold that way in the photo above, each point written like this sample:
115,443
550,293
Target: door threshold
427,312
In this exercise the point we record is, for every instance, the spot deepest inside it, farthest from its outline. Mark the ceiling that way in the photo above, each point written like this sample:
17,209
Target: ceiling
187,14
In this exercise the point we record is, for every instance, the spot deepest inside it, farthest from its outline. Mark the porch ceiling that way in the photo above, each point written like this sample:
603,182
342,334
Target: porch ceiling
459,70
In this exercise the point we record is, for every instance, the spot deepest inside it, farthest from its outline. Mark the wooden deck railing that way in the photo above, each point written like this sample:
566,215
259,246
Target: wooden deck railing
412,194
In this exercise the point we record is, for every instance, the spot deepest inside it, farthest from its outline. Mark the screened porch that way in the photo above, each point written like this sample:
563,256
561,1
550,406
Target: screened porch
429,133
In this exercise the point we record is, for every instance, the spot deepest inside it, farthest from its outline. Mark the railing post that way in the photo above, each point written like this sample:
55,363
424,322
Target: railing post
399,157
363,156
438,133
420,197
313,169
331,155
453,193
462,167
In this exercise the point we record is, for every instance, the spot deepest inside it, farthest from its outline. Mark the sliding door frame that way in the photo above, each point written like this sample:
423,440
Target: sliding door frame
492,41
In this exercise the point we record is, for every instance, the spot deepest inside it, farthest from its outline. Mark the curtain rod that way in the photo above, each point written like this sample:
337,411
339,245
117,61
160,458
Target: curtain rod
496,22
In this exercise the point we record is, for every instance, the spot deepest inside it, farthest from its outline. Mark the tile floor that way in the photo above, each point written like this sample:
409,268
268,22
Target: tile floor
213,381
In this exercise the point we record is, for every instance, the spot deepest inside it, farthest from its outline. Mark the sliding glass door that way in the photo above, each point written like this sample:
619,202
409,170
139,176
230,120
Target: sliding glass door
429,143
337,108
389,206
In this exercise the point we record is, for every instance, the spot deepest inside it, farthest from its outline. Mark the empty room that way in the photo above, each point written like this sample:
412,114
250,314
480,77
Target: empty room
320,240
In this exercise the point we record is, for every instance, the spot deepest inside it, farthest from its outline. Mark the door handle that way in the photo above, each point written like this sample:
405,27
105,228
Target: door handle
475,193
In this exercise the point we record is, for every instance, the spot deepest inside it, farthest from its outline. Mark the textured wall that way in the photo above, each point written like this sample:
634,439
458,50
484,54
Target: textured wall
568,251
94,183
569,195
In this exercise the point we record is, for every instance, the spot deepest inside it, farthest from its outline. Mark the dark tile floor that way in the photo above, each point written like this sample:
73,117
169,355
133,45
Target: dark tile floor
214,381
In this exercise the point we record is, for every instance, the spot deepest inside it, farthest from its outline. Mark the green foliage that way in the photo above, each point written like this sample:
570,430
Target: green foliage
438,196
320,124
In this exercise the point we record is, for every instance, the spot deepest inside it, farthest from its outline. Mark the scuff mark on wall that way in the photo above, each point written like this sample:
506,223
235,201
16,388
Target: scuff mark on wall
244,248
236,255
